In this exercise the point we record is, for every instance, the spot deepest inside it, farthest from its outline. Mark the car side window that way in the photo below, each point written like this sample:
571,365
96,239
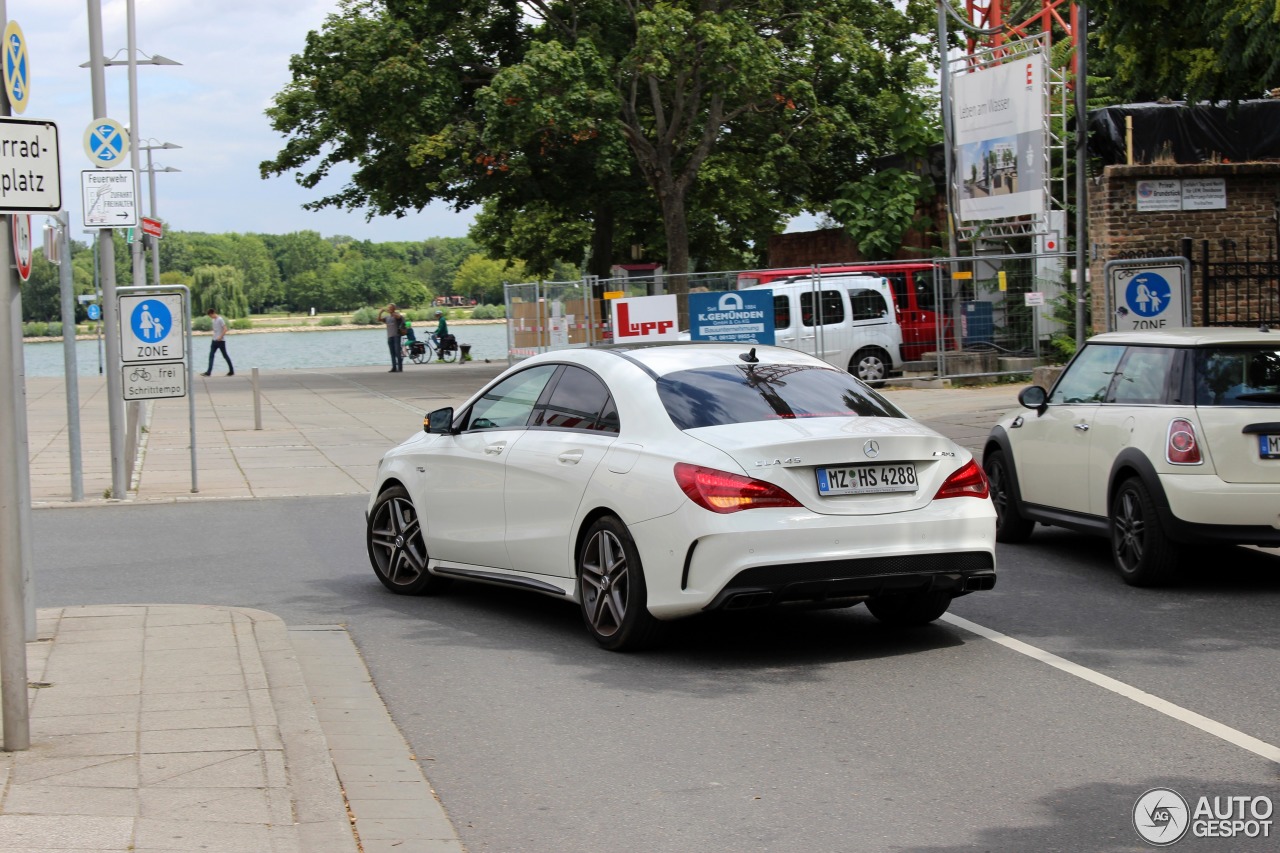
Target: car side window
1089,376
922,282
899,282
782,311
832,308
576,401
509,403
867,304
1143,375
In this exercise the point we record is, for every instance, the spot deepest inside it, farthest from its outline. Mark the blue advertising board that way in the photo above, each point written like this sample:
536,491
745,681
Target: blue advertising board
738,315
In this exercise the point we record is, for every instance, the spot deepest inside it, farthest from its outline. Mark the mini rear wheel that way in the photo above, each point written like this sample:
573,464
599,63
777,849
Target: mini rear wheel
396,548
1141,551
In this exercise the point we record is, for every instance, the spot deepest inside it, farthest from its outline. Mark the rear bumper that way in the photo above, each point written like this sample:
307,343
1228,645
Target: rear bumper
1204,509
695,560
766,586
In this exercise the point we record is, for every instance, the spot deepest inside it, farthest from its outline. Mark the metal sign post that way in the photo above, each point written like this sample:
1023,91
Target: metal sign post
156,360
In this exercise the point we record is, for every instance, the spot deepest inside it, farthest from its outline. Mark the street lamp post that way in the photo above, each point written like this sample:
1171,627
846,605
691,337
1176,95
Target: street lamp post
151,185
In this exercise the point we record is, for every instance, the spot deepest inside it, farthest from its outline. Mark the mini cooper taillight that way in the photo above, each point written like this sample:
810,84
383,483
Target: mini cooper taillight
968,482
1182,447
723,492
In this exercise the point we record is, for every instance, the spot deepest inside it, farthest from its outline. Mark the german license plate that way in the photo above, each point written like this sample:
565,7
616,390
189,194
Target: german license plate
867,479
1269,446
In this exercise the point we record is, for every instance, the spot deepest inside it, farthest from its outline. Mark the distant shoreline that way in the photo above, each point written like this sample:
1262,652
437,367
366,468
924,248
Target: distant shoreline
301,327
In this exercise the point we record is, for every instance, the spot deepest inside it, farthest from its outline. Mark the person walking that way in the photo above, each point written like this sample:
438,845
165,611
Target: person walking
393,319
219,344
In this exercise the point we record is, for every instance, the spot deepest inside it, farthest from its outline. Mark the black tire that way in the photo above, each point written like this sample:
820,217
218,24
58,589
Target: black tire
1140,550
396,549
871,365
421,357
1011,526
611,589
448,355
909,609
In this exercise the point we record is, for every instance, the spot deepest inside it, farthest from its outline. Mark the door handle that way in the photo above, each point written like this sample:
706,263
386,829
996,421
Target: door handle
1081,427
570,457
496,448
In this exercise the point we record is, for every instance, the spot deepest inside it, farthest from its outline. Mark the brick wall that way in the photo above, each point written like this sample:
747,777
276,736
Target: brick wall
1117,229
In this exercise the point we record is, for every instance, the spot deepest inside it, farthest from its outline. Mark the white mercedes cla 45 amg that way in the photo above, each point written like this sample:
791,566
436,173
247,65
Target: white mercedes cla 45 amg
651,483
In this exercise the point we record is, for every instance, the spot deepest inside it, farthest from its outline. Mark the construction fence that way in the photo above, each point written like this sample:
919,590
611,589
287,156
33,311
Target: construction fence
963,317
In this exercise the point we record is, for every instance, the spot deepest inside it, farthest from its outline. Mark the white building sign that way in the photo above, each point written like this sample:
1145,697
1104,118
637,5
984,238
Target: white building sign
1000,139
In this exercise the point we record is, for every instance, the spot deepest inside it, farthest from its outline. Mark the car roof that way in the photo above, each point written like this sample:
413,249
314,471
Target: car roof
661,358
808,280
1191,337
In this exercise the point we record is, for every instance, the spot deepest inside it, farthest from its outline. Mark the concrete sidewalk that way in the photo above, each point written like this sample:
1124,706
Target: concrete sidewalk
178,728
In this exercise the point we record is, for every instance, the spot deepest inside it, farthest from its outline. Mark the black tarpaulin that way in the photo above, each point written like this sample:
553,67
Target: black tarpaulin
1197,133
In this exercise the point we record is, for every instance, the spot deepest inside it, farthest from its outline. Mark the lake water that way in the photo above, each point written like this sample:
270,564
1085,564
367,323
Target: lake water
278,350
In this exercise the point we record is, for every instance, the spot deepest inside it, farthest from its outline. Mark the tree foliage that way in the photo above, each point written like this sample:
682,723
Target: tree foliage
1206,50
589,126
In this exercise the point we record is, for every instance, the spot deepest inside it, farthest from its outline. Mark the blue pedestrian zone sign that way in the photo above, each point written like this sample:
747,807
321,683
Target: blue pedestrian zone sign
94,312
1148,294
151,321
744,316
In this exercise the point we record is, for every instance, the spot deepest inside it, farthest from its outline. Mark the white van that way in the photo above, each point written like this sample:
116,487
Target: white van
847,321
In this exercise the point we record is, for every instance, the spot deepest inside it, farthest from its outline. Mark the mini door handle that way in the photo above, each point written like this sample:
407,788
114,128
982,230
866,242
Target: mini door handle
495,449
1081,427
571,457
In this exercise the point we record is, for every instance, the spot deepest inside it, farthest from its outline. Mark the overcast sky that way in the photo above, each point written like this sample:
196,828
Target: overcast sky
235,57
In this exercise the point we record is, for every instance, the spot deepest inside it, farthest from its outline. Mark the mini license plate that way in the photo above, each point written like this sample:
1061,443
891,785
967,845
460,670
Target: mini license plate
867,479
1269,446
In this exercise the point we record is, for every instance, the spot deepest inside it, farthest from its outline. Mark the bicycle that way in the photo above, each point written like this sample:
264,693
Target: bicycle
140,373
419,352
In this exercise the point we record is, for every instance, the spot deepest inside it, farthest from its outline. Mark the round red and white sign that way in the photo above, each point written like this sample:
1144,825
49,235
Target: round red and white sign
22,243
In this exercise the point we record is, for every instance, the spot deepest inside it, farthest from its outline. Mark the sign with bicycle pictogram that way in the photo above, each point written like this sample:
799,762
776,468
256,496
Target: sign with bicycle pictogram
154,381
1148,293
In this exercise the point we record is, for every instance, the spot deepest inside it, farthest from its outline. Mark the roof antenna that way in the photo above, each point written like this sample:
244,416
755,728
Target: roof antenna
750,357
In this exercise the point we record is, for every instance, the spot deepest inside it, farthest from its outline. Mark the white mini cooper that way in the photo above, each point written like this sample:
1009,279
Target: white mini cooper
1155,439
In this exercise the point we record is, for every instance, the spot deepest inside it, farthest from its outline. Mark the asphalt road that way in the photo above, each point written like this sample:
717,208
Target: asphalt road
815,731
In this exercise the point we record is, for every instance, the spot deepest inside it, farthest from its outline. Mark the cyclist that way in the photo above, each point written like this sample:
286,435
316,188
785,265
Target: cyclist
442,329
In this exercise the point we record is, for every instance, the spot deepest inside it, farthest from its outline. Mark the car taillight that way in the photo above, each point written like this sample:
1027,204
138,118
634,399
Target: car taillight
967,482
1182,447
721,491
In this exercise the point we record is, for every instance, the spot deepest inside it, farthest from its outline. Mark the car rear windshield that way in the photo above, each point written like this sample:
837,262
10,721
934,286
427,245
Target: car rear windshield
1238,376
736,394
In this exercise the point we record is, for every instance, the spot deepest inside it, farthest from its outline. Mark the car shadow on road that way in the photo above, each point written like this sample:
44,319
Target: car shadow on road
778,645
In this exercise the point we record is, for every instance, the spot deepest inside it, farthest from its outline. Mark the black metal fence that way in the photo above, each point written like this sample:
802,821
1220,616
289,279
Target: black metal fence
1239,284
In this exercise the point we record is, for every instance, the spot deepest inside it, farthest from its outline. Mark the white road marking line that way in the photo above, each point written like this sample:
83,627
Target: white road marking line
1213,727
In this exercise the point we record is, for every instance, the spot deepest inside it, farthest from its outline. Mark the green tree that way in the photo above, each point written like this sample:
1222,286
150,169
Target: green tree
482,278
586,103
1207,50
220,288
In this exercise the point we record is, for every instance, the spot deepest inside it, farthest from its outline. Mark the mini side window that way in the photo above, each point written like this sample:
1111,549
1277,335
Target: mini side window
1143,375
1089,376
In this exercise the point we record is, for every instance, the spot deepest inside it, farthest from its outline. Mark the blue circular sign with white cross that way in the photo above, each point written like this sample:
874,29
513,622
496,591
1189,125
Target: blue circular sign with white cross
151,321
106,142
1148,294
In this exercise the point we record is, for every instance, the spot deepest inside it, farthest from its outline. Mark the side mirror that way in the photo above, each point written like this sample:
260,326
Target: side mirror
1034,397
439,422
